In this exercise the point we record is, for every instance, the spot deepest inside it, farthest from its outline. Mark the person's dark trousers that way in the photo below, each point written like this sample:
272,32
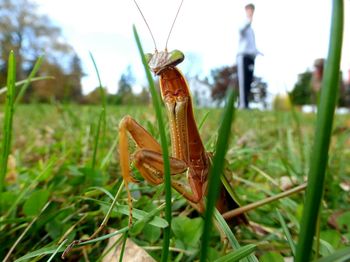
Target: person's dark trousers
245,67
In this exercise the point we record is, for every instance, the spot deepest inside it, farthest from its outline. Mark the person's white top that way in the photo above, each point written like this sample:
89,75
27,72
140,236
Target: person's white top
247,45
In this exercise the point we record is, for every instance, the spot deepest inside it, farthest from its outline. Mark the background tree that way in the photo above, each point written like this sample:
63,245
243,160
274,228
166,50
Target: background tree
301,93
74,88
307,89
220,80
226,77
223,78
30,35
144,97
124,94
95,98
344,95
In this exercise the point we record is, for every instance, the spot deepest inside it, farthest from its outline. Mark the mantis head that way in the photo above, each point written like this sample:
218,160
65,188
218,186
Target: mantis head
162,60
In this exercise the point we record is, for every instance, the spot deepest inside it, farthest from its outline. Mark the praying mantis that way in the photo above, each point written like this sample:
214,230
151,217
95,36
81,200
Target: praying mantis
188,155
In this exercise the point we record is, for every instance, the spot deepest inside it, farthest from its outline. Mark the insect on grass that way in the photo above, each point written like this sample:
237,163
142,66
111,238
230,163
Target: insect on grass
189,158
188,155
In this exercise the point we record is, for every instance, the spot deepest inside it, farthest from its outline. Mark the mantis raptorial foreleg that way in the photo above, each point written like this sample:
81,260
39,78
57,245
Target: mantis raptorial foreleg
149,161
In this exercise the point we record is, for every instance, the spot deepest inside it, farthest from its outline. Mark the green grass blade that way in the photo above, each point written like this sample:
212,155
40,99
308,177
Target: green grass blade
238,254
103,115
40,252
137,214
164,144
341,255
126,229
97,137
105,161
19,239
299,135
145,219
286,232
215,174
221,222
9,110
101,189
28,80
203,120
226,229
148,218
319,156
32,184
125,237
102,92
107,236
57,250
103,98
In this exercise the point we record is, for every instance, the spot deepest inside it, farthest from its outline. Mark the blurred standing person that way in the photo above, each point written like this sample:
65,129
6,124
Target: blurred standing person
246,54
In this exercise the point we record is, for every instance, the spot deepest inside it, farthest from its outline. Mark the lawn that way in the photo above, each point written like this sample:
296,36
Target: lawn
61,179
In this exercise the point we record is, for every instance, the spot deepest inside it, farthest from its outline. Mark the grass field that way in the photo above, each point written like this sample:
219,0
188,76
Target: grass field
59,184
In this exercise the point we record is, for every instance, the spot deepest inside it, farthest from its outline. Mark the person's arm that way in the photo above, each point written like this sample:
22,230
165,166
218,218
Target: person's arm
245,26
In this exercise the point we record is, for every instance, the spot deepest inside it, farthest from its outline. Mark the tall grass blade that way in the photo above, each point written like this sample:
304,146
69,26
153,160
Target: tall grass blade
102,92
286,232
125,237
319,158
28,80
215,174
238,254
147,218
57,250
38,253
97,137
103,115
299,135
104,100
164,144
226,229
221,222
9,110
19,239
26,188
203,120
341,255
109,155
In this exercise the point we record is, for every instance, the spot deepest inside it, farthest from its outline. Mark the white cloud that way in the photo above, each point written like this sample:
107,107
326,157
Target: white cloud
291,34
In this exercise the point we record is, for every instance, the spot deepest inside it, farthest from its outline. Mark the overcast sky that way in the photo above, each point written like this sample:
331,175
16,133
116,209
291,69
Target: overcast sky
290,33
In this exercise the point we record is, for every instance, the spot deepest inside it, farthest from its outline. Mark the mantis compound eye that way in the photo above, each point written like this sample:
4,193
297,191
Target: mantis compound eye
176,57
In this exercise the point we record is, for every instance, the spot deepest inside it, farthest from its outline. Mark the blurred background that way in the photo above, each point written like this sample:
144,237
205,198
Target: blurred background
292,36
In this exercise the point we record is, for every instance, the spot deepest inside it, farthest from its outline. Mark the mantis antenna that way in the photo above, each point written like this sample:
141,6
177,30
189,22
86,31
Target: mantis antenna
144,19
149,29
172,26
